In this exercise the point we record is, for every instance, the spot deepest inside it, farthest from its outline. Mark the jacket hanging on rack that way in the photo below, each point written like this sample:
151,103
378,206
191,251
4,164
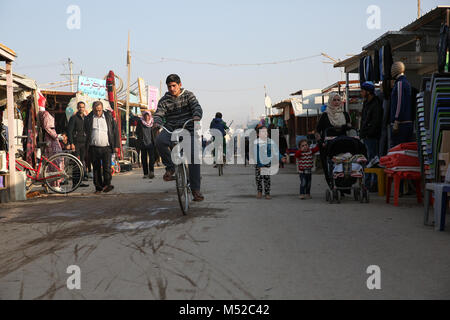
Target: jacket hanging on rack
376,66
386,63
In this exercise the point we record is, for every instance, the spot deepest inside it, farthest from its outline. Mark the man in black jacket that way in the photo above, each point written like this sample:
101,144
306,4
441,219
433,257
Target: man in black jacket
371,120
77,136
101,140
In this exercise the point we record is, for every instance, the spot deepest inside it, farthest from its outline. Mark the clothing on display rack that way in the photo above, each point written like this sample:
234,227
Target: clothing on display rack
386,62
376,66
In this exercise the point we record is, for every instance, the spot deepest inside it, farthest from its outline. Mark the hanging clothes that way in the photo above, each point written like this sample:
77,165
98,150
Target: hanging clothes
376,66
362,77
366,72
387,66
368,66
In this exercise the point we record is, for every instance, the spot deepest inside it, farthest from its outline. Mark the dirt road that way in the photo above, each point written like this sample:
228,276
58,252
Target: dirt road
135,244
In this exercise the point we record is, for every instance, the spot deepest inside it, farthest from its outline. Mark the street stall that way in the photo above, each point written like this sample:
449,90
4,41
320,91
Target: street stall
423,48
17,94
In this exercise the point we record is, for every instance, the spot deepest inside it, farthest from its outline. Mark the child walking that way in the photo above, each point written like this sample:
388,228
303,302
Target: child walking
261,143
304,157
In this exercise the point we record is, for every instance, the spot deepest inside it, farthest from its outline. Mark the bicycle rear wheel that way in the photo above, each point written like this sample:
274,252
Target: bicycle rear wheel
63,173
181,178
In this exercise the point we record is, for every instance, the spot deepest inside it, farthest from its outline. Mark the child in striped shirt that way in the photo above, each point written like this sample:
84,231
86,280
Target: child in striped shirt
304,157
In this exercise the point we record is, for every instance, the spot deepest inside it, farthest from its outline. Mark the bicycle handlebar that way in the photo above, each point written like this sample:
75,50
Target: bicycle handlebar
184,126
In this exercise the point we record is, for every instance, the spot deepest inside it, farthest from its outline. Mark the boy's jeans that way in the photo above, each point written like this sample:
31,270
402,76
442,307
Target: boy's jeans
305,183
163,143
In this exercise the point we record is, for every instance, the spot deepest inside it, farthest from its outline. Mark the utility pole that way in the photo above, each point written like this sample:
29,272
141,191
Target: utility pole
71,74
127,116
418,9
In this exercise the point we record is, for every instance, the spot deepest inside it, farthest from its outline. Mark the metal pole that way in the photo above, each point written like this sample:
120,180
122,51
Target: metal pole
347,91
127,116
11,132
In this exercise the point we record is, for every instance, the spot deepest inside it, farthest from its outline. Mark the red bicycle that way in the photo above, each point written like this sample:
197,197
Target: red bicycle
62,173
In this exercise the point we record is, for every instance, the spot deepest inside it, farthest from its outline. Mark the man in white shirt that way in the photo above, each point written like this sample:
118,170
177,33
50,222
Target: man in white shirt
102,140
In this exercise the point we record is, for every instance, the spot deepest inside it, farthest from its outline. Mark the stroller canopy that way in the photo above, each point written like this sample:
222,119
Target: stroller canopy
344,144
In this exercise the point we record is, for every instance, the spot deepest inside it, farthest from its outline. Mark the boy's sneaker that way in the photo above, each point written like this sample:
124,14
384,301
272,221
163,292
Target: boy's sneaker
259,195
301,197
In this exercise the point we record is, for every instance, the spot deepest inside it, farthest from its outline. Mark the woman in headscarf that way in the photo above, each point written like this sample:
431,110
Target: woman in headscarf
146,144
51,138
333,122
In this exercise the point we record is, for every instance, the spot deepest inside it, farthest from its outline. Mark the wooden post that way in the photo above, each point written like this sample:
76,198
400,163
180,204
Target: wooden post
127,116
448,18
11,132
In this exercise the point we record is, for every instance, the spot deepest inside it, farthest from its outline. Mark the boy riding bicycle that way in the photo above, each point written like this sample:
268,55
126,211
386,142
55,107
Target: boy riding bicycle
176,107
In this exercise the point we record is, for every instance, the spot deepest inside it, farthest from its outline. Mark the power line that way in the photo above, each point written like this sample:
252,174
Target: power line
228,90
164,59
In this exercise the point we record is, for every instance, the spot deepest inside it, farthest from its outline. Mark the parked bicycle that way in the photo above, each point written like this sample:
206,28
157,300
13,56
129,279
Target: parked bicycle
61,173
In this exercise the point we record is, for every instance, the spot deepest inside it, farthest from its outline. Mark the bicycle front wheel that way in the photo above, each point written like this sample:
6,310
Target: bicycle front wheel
63,173
182,188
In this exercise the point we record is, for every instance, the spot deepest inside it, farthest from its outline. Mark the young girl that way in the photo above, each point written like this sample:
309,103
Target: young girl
261,143
304,157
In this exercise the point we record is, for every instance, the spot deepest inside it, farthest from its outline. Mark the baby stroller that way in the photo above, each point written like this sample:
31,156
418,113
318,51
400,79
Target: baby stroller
346,158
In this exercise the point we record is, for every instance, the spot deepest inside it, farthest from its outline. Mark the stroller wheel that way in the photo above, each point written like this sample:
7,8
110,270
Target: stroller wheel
328,195
336,196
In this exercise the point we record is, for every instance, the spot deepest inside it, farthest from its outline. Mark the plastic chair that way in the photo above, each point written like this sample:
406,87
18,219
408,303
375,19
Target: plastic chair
440,191
397,177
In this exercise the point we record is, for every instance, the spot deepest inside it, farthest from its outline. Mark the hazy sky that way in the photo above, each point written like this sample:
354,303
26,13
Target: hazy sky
224,32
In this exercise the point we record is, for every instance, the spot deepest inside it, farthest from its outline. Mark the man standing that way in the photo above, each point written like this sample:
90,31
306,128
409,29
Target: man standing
77,136
401,113
176,108
102,140
371,122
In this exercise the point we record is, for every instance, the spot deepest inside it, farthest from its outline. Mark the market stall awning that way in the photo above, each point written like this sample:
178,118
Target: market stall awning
7,54
351,65
414,45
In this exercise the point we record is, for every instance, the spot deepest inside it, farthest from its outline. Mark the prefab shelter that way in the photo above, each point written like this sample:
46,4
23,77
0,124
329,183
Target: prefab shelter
7,55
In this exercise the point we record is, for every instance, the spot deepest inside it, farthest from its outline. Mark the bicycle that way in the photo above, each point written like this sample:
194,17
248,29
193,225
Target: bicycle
62,173
132,155
182,177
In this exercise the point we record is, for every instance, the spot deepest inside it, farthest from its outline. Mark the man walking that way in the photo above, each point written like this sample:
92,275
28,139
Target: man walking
102,140
176,108
77,136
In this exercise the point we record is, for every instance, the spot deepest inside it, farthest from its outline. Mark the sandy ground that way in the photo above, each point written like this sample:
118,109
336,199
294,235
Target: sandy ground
135,244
